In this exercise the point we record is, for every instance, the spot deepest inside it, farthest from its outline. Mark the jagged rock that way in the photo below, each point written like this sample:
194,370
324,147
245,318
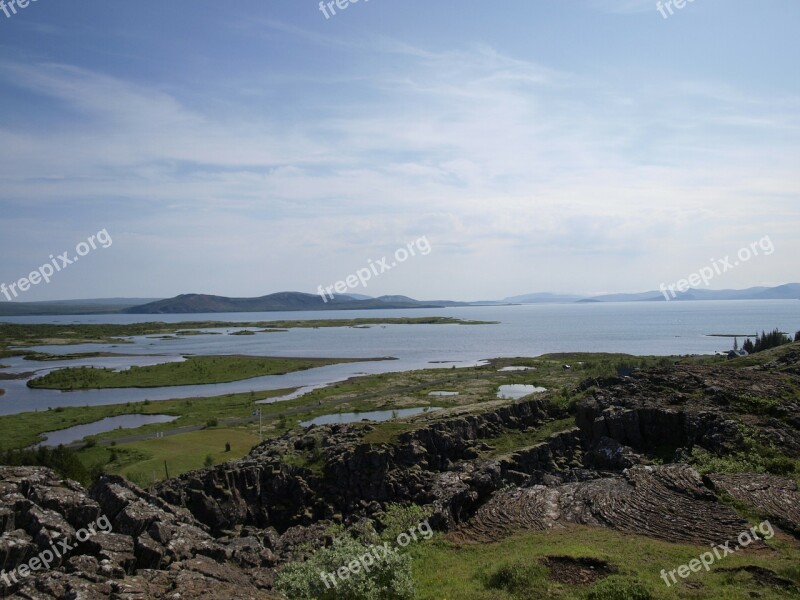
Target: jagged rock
222,532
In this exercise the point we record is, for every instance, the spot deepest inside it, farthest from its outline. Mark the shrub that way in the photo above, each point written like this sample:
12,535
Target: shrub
212,423
518,577
619,588
388,579
399,518
62,460
780,466
209,461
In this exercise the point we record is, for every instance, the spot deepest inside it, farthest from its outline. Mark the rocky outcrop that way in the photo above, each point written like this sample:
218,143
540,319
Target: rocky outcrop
669,503
775,498
115,541
222,532
357,478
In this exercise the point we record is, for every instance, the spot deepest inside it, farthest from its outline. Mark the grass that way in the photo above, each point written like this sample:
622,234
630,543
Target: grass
25,334
445,570
24,429
193,371
143,462
515,440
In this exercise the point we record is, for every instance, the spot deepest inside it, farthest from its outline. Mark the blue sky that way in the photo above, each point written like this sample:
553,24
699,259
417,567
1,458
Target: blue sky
250,147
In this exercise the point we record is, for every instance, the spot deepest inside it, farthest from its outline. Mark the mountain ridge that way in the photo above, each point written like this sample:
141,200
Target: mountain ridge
299,301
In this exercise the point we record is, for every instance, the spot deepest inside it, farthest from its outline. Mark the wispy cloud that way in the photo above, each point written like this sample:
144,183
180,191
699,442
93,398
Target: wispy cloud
498,159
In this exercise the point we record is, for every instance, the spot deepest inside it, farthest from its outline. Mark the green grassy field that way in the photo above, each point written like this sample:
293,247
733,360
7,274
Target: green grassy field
194,370
24,429
143,462
448,571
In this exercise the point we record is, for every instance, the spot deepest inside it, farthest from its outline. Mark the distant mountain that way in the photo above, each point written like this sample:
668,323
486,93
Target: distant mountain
92,306
296,301
282,301
789,291
543,298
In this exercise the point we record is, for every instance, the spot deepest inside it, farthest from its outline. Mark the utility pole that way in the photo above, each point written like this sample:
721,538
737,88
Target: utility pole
260,433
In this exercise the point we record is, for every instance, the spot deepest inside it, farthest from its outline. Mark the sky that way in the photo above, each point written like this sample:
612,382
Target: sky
250,147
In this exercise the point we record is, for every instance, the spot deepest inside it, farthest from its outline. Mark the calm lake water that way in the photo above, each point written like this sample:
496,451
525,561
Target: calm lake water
518,390
657,328
77,433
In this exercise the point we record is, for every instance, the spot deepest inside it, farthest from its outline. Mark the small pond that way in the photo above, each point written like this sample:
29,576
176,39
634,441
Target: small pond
518,390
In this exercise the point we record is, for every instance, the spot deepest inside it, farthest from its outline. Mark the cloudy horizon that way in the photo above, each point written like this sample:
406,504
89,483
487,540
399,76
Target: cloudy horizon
588,148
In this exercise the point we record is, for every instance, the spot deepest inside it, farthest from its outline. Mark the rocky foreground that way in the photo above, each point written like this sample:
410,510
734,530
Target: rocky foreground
224,532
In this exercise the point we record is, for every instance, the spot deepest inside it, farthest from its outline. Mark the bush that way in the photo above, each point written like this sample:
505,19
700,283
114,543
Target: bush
399,518
209,461
63,461
389,578
780,466
518,577
619,588
212,423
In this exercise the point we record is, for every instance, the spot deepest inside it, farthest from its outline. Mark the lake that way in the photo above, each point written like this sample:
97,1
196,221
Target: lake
78,432
657,328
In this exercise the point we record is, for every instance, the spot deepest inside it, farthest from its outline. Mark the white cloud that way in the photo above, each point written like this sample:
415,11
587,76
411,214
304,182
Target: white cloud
499,161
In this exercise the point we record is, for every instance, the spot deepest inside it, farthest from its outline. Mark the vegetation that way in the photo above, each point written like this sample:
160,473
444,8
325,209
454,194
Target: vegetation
26,334
143,462
619,588
520,579
765,341
510,569
23,429
514,440
194,370
388,579
62,460
399,518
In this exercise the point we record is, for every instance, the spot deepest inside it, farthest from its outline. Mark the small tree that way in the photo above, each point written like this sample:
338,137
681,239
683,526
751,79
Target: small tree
209,462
